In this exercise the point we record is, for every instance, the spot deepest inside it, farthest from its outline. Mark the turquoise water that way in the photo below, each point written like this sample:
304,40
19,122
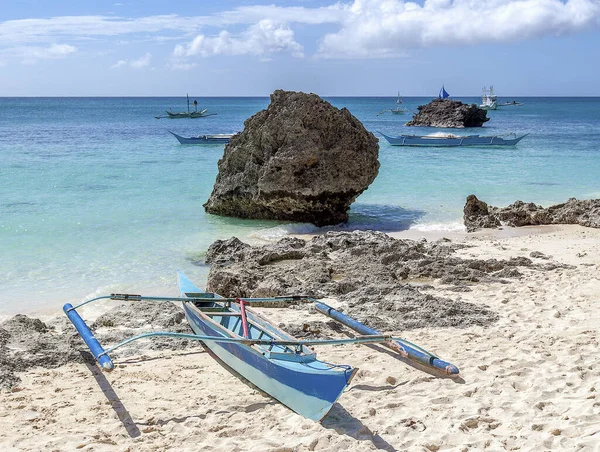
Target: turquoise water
96,196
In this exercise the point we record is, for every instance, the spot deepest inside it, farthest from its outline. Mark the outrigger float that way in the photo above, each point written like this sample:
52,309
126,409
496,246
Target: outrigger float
274,361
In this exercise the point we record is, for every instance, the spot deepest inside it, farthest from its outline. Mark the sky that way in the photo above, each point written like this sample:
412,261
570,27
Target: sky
332,48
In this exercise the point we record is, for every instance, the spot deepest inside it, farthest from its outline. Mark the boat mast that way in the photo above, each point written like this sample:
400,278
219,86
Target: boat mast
188,101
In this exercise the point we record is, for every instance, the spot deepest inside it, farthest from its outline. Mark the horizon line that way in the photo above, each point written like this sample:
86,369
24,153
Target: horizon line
268,95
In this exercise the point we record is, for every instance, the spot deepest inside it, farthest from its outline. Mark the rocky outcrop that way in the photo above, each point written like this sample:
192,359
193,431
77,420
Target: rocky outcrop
449,114
301,159
478,214
27,342
383,282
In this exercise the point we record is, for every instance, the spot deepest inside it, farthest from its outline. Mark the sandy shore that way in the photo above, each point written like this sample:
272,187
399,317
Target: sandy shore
530,380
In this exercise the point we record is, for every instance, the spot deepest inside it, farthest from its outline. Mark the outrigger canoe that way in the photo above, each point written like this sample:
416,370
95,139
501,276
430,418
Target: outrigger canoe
282,366
454,140
204,139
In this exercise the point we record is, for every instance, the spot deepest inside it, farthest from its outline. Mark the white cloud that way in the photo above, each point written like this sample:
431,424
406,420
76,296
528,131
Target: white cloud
182,66
57,51
335,13
142,62
265,37
91,27
87,27
139,63
31,54
385,28
365,28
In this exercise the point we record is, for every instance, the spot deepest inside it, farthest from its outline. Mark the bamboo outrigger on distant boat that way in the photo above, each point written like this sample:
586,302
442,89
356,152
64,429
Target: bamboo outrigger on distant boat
277,363
395,111
188,113
204,139
450,140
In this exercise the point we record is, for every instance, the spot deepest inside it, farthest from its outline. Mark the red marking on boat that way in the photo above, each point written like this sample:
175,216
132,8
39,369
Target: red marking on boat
244,320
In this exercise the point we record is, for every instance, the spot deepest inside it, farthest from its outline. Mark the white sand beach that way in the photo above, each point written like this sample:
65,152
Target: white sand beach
530,381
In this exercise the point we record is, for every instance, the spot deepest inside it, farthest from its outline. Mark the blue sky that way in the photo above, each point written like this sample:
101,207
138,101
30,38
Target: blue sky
250,47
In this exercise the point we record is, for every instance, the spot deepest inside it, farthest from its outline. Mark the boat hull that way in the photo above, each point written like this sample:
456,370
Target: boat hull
301,386
205,139
473,140
184,114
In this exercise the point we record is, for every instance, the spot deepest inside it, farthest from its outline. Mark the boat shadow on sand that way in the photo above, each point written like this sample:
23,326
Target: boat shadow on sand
337,419
343,423
115,402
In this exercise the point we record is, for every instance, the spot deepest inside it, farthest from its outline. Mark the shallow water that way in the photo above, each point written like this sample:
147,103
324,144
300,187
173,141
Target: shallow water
96,196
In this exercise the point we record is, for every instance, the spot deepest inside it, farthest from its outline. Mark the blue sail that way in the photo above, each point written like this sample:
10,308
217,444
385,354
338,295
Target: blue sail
443,94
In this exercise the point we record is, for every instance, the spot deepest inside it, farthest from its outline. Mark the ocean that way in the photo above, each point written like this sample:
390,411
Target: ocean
97,197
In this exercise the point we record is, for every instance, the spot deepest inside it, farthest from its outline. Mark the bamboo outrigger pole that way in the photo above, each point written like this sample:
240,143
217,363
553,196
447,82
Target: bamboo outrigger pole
407,351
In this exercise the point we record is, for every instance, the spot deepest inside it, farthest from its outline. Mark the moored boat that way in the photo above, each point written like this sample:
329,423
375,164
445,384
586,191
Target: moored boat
292,375
450,140
398,110
203,139
513,103
187,114
488,99
184,114
272,360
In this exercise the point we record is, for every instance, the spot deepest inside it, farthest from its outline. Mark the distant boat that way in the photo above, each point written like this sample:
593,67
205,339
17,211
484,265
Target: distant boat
488,99
188,113
449,140
398,110
395,111
513,103
183,114
204,139
443,94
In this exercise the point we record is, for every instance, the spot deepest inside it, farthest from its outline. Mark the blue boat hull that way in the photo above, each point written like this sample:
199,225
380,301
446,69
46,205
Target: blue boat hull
471,140
205,139
308,387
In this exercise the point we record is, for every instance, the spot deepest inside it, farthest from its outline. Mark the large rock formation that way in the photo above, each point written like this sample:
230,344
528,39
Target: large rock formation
301,159
449,114
478,214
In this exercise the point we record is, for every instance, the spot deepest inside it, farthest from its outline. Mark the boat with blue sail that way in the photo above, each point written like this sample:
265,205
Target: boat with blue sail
284,367
451,140
443,94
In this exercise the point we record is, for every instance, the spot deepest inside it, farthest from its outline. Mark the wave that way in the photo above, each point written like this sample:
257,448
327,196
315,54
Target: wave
284,230
445,227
